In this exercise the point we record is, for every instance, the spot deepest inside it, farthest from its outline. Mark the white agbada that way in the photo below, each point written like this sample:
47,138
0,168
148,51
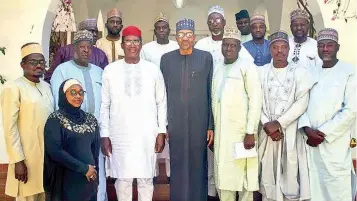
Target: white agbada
153,51
307,53
332,110
215,48
283,168
133,112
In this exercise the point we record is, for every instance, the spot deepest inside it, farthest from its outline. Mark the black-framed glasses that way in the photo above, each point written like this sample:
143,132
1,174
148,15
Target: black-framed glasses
74,93
134,42
188,34
35,62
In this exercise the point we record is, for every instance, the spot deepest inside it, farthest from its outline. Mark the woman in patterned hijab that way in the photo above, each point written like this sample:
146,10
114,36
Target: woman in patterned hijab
71,148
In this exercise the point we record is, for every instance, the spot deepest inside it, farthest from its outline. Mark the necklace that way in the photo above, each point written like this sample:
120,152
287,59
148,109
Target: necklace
296,53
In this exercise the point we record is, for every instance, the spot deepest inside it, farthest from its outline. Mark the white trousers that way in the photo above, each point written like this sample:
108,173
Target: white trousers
102,188
211,185
124,189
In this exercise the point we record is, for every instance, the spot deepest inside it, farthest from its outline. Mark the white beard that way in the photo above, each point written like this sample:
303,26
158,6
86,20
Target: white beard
216,34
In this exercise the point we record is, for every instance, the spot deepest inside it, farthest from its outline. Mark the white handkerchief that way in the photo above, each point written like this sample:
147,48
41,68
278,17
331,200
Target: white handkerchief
240,152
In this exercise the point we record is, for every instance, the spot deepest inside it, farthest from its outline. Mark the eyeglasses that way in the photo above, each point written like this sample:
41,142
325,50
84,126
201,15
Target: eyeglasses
130,42
217,20
35,62
181,34
74,93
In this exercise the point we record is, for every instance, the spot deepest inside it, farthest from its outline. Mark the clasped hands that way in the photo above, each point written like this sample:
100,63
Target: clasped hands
272,129
314,137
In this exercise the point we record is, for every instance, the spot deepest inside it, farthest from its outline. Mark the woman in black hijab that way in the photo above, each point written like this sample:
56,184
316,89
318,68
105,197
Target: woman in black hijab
71,148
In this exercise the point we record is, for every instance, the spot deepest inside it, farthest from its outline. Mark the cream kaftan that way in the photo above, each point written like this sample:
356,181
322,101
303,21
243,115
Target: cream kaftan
236,102
25,108
111,48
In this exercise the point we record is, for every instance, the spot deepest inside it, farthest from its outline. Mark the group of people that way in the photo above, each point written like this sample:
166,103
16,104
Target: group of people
234,112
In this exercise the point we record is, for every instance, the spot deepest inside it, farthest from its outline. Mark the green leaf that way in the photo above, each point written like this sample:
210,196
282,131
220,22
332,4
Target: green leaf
2,49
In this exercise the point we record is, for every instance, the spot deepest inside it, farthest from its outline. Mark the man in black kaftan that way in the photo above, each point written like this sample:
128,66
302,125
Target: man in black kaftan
188,74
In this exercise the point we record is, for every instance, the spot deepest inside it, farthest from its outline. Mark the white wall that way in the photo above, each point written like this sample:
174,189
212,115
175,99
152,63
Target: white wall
25,21
22,21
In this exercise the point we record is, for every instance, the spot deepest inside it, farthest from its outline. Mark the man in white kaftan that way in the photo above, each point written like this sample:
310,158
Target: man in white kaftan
282,154
111,44
303,49
153,52
90,76
236,103
213,45
133,118
327,124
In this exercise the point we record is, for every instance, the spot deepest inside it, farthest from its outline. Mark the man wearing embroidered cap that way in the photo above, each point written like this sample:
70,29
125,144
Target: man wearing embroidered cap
303,49
259,46
236,94
26,103
111,44
282,154
188,75
327,122
154,50
212,44
243,24
67,53
91,76
133,118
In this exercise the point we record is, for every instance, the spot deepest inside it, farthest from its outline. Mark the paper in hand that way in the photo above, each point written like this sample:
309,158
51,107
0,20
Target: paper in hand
241,153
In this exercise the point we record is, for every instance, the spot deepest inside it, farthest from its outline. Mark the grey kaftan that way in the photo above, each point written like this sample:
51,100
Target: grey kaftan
188,83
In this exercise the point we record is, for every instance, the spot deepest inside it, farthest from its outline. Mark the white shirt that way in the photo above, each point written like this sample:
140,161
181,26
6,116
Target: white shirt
307,53
153,51
133,112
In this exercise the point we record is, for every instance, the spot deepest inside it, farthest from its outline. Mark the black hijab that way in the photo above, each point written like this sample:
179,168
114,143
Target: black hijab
75,114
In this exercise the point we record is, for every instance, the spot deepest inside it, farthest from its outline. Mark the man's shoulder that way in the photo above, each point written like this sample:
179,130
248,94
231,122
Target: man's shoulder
149,44
202,53
66,47
113,66
96,68
347,68
64,65
170,54
98,50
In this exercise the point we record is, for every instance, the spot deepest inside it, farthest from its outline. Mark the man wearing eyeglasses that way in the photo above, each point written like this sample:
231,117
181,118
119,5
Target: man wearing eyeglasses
26,103
90,76
188,75
133,118
111,44
212,44
67,53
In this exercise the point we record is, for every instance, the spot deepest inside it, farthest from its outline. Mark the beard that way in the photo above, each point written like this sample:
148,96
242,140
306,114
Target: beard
114,32
216,33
